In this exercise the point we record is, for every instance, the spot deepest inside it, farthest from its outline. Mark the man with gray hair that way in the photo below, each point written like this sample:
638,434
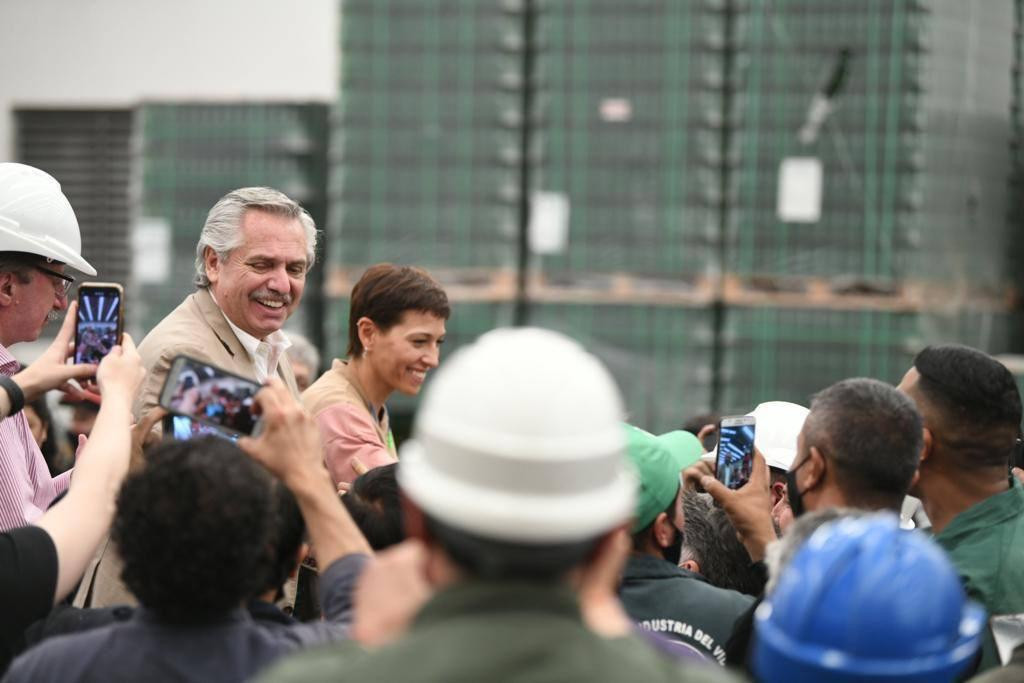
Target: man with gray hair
251,262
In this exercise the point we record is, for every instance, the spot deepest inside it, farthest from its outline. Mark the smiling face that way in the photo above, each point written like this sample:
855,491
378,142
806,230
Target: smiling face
259,283
401,356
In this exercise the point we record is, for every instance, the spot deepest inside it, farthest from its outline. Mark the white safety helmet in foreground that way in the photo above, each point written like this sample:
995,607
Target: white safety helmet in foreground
36,217
519,438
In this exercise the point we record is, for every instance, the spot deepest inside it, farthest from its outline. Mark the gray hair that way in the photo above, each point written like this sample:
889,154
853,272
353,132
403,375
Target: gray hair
303,351
779,554
710,540
222,231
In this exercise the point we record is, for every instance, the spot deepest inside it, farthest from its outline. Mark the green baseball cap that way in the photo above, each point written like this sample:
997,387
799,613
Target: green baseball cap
657,471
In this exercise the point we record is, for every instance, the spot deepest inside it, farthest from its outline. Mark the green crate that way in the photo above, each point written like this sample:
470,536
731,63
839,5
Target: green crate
660,356
190,155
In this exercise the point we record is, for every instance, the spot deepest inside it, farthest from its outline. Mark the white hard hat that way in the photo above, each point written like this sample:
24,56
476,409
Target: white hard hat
36,217
519,438
778,425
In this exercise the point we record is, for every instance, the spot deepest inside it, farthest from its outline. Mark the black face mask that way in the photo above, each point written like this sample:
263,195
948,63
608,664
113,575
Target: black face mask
794,495
675,549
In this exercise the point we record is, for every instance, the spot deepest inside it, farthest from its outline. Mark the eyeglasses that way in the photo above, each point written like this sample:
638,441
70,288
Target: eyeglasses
62,284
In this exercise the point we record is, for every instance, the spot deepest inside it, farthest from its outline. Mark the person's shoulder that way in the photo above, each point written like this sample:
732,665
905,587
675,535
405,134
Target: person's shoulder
320,663
331,389
63,658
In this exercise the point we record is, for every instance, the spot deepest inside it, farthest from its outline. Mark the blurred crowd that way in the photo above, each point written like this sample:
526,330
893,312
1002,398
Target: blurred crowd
525,531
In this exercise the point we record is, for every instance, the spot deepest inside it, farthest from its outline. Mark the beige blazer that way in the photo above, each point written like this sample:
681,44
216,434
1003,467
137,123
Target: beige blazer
195,328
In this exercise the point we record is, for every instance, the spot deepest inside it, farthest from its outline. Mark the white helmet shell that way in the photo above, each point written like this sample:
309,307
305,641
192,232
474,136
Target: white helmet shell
778,425
36,217
519,438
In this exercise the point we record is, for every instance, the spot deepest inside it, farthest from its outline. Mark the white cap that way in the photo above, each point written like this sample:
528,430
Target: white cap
778,425
519,438
36,217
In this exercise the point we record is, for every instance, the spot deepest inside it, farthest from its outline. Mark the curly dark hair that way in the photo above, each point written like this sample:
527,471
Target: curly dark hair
288,533
375,507
193,527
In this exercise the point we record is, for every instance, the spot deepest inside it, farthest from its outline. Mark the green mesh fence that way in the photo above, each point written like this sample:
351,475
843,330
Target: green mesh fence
193,154
425,135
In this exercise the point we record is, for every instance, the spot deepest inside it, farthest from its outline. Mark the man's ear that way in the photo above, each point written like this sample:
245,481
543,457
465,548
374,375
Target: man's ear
663,530
814,471
778,492
8,284
212,264
928,444
691,565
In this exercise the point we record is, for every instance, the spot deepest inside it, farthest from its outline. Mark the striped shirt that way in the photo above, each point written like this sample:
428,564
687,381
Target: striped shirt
26,487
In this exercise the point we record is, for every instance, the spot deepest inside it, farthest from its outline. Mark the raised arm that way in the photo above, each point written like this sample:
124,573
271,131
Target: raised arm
290,448
79,522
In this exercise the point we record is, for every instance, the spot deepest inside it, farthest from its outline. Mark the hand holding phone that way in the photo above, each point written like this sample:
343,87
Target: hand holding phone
99,322
210,395
734,462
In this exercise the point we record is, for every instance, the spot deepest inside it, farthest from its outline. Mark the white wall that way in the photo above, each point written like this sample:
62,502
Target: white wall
96,53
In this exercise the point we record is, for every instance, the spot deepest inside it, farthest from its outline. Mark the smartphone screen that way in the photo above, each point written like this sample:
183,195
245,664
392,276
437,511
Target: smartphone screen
99,322
183,428
210,395
735,460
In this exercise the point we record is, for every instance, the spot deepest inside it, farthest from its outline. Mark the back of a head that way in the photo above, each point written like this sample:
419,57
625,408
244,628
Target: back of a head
286,537
865,601
971,404
374,505
710,539
871,432
517,455
193,528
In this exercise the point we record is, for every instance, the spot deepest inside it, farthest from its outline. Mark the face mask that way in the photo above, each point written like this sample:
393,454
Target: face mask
793,494
675,549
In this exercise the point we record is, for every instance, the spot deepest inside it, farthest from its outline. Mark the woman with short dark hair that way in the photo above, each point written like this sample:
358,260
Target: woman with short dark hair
397,320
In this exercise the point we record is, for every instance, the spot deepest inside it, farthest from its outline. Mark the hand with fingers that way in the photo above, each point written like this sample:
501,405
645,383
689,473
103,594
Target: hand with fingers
289,445
748,507
390,592
51,371
692,475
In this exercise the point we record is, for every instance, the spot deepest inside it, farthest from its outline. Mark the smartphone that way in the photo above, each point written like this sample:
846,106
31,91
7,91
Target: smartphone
734,462
183,428
210,395
100,320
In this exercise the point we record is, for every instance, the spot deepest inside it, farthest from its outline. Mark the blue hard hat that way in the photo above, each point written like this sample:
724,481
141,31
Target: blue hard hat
865,601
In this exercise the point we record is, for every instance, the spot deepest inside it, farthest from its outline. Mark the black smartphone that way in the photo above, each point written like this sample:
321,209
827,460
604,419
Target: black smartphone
210,395
734,462
100,320
183,428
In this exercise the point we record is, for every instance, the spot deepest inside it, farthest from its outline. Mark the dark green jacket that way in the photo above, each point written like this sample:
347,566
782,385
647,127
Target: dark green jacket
481,631
986,543
681,605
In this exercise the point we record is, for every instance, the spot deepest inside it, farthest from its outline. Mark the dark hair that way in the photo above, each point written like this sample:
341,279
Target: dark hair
385,292
977,403
491,559
698,422
871,432
709,538
374,505
289,530
20,263
48,447
192,528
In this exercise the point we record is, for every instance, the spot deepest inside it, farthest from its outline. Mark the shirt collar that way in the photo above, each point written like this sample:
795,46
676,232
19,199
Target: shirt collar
277,340
989,512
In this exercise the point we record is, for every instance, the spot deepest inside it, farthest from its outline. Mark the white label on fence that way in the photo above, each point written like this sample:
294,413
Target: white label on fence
800,183
151,250
549,222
